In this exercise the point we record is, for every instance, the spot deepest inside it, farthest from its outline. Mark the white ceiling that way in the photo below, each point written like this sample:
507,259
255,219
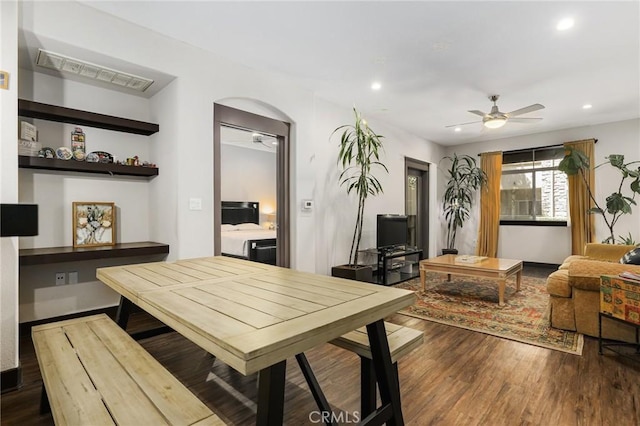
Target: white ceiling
435,60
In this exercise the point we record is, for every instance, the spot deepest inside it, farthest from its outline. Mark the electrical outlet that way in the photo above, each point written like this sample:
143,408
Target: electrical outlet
73,277
60,278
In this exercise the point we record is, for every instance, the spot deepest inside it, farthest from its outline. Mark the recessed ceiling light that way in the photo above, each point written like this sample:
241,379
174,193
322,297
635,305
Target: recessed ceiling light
457,129
376,85
587,106
565,24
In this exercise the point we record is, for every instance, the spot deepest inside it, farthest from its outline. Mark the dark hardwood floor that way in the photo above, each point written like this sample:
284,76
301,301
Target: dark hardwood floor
457,377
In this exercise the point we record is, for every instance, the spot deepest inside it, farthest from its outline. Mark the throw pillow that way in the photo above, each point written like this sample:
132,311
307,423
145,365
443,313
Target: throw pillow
632,257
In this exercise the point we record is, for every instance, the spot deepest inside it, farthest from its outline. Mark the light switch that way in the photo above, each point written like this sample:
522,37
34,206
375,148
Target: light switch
195,203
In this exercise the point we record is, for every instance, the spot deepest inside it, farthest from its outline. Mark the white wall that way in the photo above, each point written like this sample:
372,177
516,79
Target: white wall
553,244
248,175
9,184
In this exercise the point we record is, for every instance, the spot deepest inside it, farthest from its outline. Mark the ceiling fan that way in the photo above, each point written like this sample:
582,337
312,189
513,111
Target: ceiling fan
496,118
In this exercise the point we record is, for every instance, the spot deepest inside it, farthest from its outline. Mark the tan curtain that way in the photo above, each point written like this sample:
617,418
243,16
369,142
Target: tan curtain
582,223
491,163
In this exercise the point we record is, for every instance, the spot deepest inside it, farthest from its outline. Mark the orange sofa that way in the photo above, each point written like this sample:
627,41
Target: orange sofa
574,291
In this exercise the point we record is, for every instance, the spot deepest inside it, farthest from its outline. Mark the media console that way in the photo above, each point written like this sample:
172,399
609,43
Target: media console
395,264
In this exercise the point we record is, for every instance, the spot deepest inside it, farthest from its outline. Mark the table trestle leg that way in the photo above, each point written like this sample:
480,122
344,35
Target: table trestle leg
124,309
271,394
316,390
45,408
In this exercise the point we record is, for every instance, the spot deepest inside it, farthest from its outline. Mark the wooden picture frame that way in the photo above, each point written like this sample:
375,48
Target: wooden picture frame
4,80
93,224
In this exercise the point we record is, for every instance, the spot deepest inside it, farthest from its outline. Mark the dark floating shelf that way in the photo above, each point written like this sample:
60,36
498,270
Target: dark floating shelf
84,118
27,162
40,256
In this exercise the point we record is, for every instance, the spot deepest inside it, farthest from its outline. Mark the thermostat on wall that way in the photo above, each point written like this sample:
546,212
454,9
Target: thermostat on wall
307,204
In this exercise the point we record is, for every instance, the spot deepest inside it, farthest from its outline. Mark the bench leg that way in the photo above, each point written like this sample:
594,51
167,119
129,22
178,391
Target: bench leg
316,391
386,376
368,389
271,395
45,408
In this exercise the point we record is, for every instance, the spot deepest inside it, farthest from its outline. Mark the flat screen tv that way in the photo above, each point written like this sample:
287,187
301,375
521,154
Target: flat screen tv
392,230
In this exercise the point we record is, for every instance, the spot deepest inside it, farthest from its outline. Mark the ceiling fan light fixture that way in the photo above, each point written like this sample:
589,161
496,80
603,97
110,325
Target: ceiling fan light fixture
495,122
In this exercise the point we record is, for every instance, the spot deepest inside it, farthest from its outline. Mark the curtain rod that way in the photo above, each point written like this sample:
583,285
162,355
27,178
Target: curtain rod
536,148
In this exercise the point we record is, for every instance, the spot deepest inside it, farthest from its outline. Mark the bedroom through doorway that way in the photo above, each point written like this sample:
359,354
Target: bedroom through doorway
251,186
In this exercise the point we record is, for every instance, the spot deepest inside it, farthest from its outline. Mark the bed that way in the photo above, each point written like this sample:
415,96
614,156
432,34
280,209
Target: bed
242,236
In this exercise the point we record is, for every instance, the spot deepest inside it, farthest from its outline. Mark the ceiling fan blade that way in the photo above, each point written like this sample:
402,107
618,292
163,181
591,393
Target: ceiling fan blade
523,120
530,108
476,112
463,124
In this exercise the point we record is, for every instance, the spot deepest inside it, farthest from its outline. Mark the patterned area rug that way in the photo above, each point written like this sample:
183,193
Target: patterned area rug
472,303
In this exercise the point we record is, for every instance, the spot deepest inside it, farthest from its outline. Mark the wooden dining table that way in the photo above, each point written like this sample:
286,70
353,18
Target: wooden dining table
254,316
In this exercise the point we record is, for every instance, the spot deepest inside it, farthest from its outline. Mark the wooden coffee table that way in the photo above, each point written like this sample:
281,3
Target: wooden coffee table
489,267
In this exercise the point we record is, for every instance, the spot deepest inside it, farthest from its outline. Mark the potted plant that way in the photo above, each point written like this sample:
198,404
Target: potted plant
575,162
359,154
464,178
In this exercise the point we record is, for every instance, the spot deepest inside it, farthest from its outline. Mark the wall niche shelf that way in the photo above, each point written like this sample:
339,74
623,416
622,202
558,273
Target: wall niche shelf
55,164
84,118
40,256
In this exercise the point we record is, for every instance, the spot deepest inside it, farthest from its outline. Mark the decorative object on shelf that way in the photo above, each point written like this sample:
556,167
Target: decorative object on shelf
78,144
29,148
28,131
576,162
64,153
92,157
28,143
47,152
359,152
99,157
464,178
93,224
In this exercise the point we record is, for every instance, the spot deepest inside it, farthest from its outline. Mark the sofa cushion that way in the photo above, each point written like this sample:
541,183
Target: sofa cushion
568,260
558,283
585,274
610,252
631,257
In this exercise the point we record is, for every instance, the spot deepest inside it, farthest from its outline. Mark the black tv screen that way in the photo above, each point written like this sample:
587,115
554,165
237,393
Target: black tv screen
392,230
18,220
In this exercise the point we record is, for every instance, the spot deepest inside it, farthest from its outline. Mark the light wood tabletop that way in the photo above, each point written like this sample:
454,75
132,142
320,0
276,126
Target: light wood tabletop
254,316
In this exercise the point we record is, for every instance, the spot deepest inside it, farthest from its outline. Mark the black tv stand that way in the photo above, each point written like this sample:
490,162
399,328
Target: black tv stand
396,264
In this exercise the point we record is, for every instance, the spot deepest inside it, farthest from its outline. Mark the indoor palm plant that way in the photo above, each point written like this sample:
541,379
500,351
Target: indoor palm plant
464,178
359,154
575,162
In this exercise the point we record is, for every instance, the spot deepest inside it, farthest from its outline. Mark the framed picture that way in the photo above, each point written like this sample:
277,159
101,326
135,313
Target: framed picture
94,224
4,80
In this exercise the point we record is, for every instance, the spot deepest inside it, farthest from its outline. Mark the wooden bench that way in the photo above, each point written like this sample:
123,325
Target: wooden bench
94,373
402,340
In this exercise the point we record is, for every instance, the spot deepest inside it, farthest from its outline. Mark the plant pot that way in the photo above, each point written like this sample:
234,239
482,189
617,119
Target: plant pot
449,251
362,273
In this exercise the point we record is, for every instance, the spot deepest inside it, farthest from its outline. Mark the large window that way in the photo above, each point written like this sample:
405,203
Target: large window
533,190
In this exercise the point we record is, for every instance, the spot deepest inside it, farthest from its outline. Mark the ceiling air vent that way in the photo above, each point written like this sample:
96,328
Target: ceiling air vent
63,63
